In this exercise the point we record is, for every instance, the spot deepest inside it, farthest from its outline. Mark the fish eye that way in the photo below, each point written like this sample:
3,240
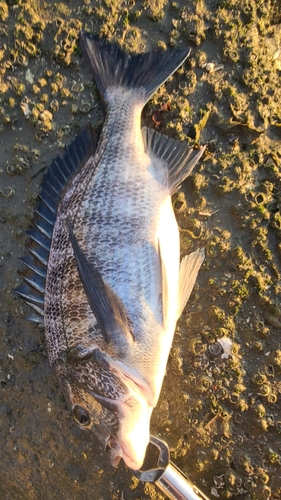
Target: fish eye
81,416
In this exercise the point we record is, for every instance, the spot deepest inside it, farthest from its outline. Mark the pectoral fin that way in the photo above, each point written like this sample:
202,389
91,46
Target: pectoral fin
106,306
189,268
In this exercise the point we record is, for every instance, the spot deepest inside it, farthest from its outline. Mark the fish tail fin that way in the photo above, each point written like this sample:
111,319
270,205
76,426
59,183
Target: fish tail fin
112,67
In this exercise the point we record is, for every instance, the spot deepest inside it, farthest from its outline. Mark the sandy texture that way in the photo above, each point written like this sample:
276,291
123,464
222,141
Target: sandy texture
220,414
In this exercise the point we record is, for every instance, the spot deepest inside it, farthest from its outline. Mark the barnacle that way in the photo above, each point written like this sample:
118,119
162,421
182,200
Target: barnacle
4,12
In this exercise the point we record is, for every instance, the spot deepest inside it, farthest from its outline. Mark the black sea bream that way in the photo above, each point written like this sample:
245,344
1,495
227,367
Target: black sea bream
106,278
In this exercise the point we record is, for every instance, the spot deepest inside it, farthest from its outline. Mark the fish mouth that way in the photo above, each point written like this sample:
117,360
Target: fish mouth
128,436
131,439
116,453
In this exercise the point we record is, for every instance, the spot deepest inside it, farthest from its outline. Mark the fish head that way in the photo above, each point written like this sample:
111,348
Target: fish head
111,406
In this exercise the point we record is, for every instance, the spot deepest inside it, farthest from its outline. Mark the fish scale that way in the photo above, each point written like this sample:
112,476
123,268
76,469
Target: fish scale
107,237
130,223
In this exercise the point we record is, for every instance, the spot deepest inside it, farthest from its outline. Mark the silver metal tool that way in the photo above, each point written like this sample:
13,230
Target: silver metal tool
168,478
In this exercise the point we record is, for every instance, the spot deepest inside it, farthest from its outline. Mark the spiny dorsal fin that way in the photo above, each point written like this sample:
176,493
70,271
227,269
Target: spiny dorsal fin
189,268
178,156
61,170
112,67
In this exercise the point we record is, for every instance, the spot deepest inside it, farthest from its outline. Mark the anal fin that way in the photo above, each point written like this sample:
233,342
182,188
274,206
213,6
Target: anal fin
189,268
178,156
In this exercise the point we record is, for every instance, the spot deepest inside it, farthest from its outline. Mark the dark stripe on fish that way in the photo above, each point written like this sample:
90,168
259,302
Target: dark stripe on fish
106,306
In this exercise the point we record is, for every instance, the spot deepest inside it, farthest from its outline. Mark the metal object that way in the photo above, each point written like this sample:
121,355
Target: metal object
168,478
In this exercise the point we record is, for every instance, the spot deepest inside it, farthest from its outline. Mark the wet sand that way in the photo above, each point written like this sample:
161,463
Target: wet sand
220,415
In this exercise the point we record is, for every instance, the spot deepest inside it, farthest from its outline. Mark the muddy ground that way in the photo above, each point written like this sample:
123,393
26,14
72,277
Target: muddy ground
220,415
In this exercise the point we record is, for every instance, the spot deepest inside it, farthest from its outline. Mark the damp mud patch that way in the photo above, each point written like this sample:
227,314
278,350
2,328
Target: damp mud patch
220,411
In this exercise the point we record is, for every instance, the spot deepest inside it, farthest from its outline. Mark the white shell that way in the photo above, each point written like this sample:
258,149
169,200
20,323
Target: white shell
226,344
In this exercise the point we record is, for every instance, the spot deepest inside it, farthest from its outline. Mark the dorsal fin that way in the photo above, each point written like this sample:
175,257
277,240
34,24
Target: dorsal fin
60,172
178,156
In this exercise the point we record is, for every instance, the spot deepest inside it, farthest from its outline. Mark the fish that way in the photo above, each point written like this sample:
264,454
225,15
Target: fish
104,276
